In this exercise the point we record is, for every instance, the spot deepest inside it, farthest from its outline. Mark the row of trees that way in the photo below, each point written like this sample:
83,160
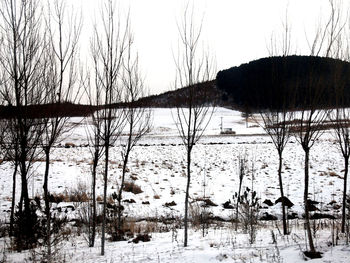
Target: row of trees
293,96
38,60
310,117
39,65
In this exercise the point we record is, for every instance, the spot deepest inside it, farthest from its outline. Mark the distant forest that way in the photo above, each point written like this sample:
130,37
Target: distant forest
292,81
267,83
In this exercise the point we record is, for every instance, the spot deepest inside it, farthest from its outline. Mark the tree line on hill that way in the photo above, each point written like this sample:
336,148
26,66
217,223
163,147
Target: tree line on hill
261,84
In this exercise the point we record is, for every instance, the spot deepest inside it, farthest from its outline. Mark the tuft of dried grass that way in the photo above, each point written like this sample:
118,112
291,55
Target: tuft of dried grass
132,187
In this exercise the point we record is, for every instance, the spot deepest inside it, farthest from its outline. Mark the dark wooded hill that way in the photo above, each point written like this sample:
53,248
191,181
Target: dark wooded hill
292,81
47,110
205,93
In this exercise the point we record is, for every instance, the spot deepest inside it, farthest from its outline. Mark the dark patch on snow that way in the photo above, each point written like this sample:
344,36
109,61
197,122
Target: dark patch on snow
268,202
141,237
130,201
172,203
286,201
321,216
227,205
312,255
268,217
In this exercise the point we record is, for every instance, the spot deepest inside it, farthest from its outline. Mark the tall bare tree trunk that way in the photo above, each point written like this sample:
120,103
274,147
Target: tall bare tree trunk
24,185
284,219
13,201
47,203
187,195
94,212
241,174
192,116
126,158
105,181
343,218
306,194
25,216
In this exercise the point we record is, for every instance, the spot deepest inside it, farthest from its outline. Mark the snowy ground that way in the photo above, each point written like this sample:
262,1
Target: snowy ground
158,167
221,244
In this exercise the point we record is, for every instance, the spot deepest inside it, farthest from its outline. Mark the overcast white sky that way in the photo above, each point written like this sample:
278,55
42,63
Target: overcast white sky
237,31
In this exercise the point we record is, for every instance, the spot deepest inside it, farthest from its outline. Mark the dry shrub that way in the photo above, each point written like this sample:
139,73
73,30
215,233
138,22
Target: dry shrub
78,194
200,216
150,227
130,226
132,187
110,200
58,198
79,197
333,174
156,197
128,229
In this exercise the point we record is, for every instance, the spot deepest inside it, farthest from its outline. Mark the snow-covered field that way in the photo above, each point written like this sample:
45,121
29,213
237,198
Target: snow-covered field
158,166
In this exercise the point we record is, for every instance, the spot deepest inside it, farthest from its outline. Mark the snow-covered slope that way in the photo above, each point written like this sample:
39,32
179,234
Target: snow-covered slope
158,166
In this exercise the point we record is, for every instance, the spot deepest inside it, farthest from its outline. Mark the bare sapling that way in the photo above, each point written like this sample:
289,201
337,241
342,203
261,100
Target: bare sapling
61,55
310,119
276,118
137,117
109,45
193,112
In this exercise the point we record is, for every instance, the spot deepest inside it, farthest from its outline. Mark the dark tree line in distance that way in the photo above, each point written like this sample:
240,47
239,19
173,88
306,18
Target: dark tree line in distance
261,84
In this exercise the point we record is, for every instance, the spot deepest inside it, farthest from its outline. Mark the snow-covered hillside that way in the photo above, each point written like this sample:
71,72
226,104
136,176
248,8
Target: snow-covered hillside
158,166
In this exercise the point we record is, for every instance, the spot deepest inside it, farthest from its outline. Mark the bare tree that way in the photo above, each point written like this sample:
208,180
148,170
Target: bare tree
276,124
193,111
138,118
309,122
108,46
22,58
94,135
61,54
307,130
340,116
276,119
